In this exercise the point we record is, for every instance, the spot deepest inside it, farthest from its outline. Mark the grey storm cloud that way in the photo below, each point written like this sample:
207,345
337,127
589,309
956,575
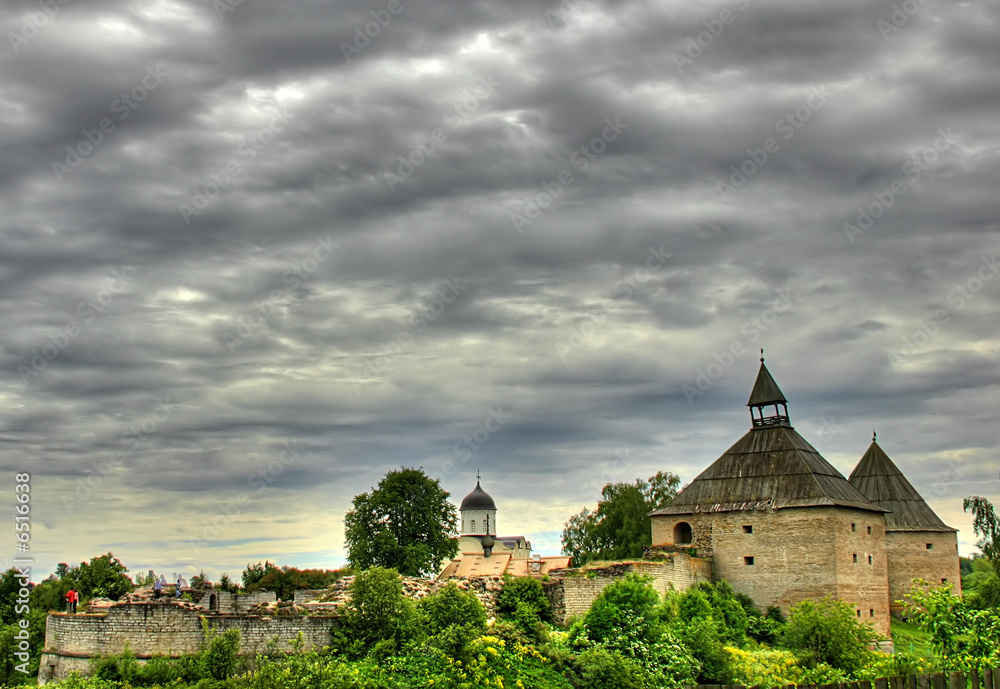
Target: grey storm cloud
364,228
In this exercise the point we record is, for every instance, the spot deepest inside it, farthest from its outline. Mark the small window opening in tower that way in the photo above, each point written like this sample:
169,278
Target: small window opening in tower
869,559
473,526
869,531
944,580
859,612
748,528
748,560
682,533
871,612
855,558
854,527
930,546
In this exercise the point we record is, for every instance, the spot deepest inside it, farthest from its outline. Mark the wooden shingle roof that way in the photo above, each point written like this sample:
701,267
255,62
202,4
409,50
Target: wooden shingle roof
768,468
765,390
883,483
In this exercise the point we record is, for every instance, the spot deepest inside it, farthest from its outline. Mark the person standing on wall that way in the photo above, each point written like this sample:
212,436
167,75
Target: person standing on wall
157,588
71,600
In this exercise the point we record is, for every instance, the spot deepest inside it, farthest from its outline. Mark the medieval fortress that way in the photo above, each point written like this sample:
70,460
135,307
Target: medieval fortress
771,516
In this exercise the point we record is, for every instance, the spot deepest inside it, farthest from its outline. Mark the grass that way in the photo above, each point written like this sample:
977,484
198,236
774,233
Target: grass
911,639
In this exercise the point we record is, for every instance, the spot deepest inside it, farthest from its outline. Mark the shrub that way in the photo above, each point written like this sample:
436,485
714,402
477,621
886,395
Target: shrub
517,590
600,669
378,612
828,631
453,618
218,661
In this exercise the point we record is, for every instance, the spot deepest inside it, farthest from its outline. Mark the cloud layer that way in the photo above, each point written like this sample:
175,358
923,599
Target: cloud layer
255,255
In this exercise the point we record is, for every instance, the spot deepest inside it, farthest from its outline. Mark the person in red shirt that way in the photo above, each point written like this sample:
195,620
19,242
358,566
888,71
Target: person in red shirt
72,598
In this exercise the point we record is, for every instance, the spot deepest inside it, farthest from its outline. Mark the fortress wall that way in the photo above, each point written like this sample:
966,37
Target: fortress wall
573,595
798,554
863,583
157,628
909,559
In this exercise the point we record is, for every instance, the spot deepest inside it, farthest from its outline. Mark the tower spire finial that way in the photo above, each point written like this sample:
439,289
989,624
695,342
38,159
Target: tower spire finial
874,436
477,476
762,355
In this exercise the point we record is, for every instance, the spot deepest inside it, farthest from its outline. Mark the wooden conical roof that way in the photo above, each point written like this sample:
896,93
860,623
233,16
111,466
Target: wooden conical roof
878,479
765,390
768,468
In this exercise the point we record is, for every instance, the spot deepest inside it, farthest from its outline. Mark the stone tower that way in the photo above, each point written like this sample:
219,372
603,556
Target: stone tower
780,523
918,544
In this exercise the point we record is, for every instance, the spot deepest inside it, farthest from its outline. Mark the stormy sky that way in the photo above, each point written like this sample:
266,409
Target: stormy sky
254,255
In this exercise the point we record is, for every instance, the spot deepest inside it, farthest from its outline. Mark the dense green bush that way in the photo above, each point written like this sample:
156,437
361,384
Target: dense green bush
452,618
828,631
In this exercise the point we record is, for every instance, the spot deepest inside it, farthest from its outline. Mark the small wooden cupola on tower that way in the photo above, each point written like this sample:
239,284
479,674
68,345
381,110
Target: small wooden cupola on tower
766,394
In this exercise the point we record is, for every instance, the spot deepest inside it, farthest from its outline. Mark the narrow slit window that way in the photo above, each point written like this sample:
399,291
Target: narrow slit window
871,612
869,531
854,527
869,559
855,558
859,612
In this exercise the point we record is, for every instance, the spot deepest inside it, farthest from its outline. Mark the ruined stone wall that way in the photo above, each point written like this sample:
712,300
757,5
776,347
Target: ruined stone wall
781,557
573,595
161,628
910,558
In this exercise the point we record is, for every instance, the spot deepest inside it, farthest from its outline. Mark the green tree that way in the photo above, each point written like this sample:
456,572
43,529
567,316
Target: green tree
620,526
986,525
103,577
829,631
406,523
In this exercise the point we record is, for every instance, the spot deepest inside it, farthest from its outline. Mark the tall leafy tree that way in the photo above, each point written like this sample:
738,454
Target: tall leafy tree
986,525
406,523
620,526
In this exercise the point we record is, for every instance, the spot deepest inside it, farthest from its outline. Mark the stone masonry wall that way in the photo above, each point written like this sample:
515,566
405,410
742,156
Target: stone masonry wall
161,628
910,558
573,595
781,557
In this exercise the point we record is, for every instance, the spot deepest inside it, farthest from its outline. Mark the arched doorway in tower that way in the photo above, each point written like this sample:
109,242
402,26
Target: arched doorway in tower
682,533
